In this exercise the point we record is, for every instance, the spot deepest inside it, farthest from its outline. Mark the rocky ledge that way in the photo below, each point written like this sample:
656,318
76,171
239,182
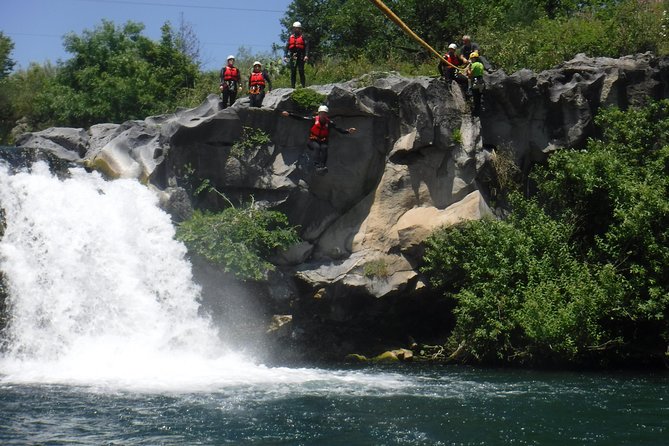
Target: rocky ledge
418,161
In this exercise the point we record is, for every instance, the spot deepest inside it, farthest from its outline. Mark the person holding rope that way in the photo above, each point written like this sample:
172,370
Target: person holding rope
319,135
297,53
468,47
449,70
477,84
258,80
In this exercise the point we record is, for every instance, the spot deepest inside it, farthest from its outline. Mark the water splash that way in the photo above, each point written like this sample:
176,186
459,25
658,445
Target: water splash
101,294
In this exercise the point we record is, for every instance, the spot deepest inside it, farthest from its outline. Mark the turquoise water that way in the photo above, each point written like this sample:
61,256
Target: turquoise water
105,344
412,405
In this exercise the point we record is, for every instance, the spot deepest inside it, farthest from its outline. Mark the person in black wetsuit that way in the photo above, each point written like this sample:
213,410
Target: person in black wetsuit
297,53
259,80
231,82
319,134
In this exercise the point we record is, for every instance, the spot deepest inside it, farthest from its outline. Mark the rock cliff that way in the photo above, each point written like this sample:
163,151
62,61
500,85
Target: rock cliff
417,162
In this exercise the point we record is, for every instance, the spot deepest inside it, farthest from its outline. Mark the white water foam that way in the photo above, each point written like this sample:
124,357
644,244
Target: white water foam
101,294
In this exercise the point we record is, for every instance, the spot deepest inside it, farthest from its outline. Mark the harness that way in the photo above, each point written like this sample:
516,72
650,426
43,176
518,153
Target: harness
296,43
257,82
320,131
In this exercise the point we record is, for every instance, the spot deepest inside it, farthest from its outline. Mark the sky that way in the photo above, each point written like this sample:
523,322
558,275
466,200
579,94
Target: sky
36,27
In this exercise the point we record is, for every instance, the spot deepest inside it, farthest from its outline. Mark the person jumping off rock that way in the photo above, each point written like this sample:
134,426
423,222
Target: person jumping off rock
231,83
258,80
319,135
297,53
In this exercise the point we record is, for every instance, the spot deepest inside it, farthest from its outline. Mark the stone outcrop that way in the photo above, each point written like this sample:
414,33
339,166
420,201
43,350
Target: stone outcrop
414,165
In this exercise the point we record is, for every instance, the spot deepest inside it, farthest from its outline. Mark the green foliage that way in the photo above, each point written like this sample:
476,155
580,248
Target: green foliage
6,62
513,34
24,99
117,74
239,239
206,83
307,99
617,194
627,27
508,174
375,269
456,136
251,138
579,275
522,294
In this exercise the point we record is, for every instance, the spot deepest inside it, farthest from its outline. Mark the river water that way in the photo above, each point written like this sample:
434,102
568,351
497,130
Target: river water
413,405
104,344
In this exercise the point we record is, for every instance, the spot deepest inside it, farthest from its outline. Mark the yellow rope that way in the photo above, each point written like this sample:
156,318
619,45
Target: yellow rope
392,16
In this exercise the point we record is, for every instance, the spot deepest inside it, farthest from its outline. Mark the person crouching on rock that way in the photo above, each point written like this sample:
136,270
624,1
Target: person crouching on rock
319,134
450,71
258,80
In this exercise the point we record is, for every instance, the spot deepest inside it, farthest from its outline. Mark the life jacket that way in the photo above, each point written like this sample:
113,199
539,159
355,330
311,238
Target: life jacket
320,131
296,43
453,59
257,79
230,73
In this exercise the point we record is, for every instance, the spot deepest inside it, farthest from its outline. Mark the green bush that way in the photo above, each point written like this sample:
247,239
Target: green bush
375,269
617,194
522,295
307,99
239,239
580,274
628,27
251,138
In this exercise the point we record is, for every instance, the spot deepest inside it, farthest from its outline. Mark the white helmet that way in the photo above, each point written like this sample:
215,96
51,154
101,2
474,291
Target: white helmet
297,25
231,57
257,63
323,108
452,46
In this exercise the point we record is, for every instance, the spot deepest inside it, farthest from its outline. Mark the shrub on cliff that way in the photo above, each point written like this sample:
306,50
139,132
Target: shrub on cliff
307,99
616,193
239,239
522,294
580,273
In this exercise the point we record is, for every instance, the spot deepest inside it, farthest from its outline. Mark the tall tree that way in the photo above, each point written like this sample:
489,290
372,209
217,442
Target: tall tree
6,48
116,74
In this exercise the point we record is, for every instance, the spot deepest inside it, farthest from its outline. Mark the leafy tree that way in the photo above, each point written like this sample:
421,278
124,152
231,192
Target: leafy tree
617,195
6,48
187,41
580,273
239,239
522,294
117,74
513,34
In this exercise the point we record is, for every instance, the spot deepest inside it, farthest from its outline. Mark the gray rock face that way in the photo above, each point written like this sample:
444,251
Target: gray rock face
414,164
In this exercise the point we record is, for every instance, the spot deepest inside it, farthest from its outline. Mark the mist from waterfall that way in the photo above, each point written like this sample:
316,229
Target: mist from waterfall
100,293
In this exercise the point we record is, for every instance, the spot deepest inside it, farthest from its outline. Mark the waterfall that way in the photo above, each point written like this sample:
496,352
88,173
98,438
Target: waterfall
98,288
100,294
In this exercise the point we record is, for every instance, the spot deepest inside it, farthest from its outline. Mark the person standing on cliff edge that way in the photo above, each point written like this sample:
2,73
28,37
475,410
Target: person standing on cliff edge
258,81
319,135
231,82
297,53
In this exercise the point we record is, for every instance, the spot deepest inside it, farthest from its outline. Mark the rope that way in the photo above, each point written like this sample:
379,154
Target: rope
392,16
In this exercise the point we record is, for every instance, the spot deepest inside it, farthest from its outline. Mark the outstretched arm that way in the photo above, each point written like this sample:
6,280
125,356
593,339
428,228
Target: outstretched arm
294,116
343,131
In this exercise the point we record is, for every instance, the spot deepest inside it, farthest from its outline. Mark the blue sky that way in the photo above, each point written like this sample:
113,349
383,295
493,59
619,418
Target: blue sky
37,26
